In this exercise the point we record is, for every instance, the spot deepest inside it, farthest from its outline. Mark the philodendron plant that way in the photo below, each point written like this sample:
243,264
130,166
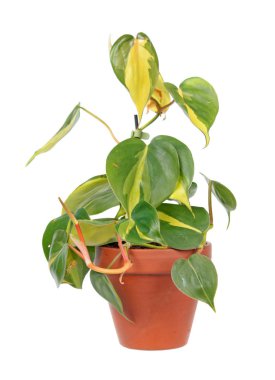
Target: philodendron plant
150,183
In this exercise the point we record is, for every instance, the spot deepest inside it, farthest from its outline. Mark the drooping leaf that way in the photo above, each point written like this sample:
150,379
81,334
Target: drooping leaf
198,100
94,195
223,195
137,171
60,223
135,64
97,231
63,131
196,277
192,189
179,228
58,256
76,269
159,98
105,289
186,165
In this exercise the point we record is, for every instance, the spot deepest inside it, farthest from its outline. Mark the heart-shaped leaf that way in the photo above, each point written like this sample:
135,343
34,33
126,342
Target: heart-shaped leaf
186,165
179,228
94,195
105,289
136,172
58,256
198,100
196,277
63,131
135,63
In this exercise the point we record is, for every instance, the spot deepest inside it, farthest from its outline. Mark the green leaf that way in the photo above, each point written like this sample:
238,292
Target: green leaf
192,189
186,164
144,227
198,100
94,195
54,225
58,256
63,131
135,63
147,222
223,195
179,228
137,171
196,277
97,231
105,289
60,223
76,269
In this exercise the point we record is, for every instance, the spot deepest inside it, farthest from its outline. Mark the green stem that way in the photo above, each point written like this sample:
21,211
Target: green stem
149,122
210,204
101,121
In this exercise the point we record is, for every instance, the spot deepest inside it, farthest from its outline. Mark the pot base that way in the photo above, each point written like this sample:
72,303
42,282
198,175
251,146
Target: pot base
161,315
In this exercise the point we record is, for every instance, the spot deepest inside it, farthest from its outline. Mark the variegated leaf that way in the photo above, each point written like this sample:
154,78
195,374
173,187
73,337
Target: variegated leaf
135,63
198,100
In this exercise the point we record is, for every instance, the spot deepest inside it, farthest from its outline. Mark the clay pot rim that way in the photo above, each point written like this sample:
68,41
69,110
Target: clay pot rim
146,249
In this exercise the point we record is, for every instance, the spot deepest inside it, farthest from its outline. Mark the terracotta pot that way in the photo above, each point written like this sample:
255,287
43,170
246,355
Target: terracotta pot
162,316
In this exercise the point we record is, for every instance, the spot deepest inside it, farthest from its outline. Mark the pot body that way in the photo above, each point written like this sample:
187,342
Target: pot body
161,315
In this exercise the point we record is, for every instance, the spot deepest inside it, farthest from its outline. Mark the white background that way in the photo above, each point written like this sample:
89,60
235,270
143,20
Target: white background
55,54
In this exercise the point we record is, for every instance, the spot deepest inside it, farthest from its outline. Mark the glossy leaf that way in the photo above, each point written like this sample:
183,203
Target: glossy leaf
223,195
192,189
76,269
94,195
137,171
135,63
105,289
159,98
186,165
144,226
198,100
58,256
63,131
60,223
179,228
196,277
97,231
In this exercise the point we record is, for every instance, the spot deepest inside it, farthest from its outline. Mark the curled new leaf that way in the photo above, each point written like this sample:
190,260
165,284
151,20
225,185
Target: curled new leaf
135,63
160,98
63,131
223,195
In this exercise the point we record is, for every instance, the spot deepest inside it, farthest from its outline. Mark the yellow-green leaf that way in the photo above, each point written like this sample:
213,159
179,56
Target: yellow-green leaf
198,100
159,98
135,64
63,131
94,195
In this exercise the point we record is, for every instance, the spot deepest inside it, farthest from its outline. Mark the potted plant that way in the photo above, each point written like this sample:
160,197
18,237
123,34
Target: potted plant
150,260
